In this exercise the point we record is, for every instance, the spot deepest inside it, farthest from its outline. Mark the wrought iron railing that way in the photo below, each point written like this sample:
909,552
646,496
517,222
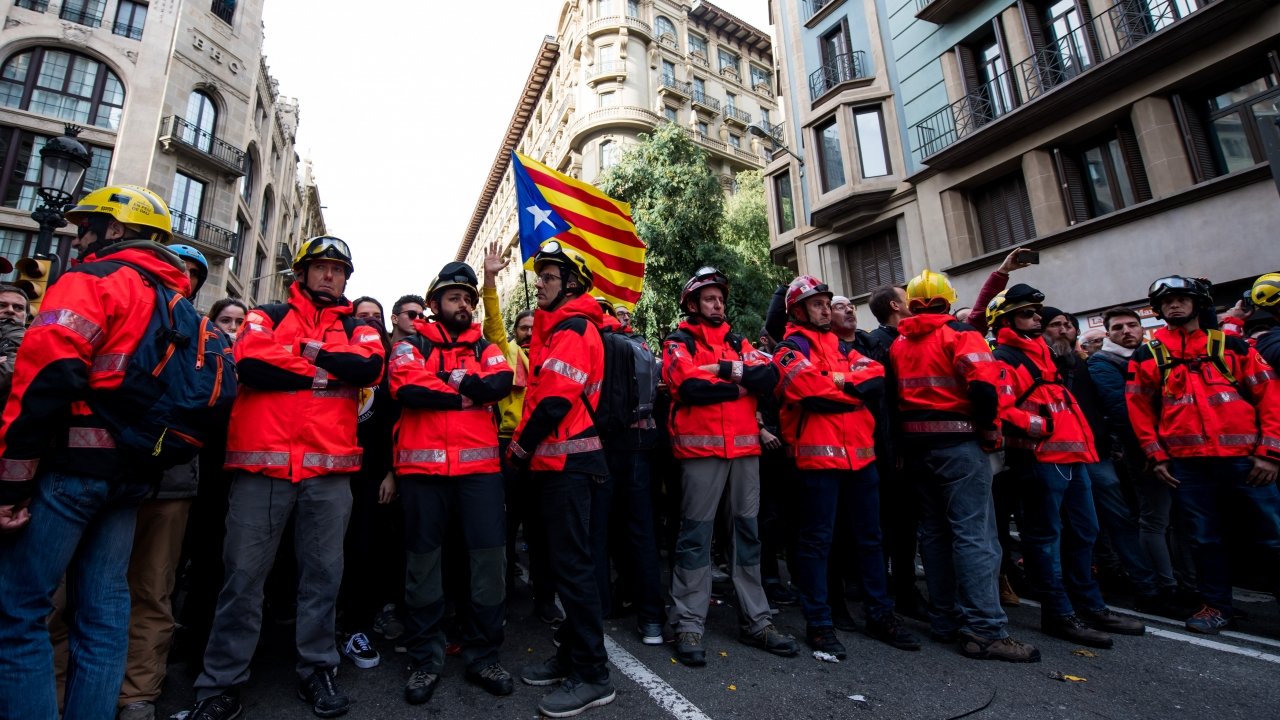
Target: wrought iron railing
37,5
710,103
213,237
82,15
192,136
841,68
224,9
775,130
1116,29
680,86
734,113
133,32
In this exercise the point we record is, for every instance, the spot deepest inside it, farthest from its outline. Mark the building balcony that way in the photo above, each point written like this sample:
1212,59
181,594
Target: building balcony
735,116
206,236
941,11
698,59
133,32
668,40
762,88
37,5
80,15
179,135
620,116
607,70
671,86
284,257
603,25
730,73
704,103
224,10
1097,59
845,68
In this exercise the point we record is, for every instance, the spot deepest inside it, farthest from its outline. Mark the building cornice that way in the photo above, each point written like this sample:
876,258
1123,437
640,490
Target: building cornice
543,64
715,18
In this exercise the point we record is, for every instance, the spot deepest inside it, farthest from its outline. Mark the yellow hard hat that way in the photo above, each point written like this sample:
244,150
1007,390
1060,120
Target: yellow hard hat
129,205
928,287
1012,300
553,251
1266,291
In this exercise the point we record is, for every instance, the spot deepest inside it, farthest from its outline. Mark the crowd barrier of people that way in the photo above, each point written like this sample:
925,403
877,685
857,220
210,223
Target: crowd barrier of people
298,460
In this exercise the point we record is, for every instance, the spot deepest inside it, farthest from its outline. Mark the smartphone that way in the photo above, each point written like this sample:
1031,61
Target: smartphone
1031,257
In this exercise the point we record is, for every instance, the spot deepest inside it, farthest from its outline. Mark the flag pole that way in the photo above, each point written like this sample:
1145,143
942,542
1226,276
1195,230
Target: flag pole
524,279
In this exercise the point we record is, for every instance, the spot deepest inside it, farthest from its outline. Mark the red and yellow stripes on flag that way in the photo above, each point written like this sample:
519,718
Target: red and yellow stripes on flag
602,231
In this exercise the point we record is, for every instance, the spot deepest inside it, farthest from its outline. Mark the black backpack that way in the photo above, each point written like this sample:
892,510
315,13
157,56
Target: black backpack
629,385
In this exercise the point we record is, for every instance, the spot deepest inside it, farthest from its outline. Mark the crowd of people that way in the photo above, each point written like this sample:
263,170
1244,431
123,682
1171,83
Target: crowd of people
369,482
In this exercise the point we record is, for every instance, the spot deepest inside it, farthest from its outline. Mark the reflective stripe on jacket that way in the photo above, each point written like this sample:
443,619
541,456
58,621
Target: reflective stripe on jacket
1066,438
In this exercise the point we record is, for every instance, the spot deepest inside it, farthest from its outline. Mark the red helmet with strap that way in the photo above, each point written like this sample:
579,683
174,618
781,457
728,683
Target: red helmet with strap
705,277
803,288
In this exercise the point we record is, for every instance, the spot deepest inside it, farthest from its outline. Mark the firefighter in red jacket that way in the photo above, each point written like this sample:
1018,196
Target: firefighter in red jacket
1048,444
714,376
447,379
557,441
1206,410
826,397
948,407
61,478
292,445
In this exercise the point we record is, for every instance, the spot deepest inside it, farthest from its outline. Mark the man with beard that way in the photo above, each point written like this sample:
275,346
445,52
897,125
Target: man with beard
1206,410
1049,444
446,377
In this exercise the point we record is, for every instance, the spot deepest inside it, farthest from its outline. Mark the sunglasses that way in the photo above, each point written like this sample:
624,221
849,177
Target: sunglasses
411,314
1027,313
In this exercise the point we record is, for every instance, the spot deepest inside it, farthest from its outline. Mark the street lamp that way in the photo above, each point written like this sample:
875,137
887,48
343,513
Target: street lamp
64,161
774,145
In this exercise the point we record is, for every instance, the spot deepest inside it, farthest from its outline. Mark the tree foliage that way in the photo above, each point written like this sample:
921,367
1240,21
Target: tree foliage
681,213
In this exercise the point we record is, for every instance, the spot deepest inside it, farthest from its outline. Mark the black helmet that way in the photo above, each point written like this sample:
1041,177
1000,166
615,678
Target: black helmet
455,274
1195,288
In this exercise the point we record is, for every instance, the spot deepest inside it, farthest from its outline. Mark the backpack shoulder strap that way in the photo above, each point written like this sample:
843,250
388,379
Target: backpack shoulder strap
1164,360
480,346
275,312
1017,358
1217,348
735,341
683,337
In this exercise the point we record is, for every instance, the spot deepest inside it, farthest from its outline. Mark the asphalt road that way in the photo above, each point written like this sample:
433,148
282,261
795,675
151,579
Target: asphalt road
1169,673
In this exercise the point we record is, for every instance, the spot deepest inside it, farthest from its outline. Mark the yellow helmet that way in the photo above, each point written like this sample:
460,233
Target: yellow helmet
129,205
553,251
929,287
1266,291
323,247
1012,300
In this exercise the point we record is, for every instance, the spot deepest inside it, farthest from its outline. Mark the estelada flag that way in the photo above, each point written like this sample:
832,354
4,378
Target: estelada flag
554,205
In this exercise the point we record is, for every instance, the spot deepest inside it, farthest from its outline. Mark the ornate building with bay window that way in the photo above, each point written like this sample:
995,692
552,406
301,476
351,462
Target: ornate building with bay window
175,96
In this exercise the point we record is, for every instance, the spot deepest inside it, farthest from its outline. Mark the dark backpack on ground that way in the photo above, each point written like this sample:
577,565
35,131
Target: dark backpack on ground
178,386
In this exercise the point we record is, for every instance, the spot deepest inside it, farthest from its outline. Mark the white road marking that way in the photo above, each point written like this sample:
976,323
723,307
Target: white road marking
1260,640
667,697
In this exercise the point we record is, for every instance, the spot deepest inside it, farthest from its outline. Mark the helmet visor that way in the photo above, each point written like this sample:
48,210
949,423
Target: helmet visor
712,275
1176,284
326,247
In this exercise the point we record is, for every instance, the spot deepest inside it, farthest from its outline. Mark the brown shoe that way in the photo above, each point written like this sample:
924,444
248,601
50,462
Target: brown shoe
1072,629
1006,649
1108,621
1008,597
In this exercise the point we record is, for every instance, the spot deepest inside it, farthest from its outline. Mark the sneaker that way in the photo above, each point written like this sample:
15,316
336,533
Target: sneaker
549,613
548,672
1008,597
359,651
421,686
387,623
1006,649
650,633
493,678
219,707
322,693
891,631
1108,621
141,710
773,640
823,639
778,593
689,649
1072,629
1208,621
573,697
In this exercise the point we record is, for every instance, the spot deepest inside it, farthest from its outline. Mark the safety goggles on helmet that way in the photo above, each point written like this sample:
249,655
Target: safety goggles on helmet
324,247
455,274
567,258
706,276
711,274
1176,285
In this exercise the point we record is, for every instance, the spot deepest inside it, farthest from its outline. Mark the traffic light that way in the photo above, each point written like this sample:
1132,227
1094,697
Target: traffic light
34,274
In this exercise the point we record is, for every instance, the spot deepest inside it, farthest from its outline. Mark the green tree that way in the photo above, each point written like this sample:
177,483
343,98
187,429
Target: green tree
515,302
744,230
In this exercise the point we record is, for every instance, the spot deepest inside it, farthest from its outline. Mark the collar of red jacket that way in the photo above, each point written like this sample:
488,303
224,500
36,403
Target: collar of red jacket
919,325
1035,348
150,256
436,332
1178,340
301,302
610,323
824,342
707,334
584,306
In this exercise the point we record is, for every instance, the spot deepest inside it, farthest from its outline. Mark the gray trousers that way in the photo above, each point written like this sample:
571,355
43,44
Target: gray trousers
703,482
259,507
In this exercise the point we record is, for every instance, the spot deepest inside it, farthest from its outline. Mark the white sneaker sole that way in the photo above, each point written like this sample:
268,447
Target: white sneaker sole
655,640
364,663
613,694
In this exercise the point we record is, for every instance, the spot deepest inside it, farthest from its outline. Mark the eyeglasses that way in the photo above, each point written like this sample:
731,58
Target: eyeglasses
82,229
548,278
1027,313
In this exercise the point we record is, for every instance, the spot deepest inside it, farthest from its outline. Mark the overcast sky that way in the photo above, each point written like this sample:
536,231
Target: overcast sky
404,106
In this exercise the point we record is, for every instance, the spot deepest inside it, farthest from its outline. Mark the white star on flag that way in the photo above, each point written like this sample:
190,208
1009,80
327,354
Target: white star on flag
541,215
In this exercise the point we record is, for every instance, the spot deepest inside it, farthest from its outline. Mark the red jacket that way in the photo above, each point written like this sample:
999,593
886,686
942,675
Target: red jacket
88,327
295,415
823,395
566,357
1197,412
447,425
711,415
947,381
1065,436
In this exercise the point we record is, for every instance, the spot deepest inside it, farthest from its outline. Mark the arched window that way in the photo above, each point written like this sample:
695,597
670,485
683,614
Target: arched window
62,84
202,120
665,27
268,208
610,153
246,180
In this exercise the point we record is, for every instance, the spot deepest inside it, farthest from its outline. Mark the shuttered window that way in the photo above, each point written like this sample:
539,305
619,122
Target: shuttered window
874,261
1102,175
1004,212
1225,127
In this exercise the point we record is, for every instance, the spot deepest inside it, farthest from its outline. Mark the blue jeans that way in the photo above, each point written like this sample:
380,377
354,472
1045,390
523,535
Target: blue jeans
1060,555
958,538
83,528
1115,514
853,500
1203,483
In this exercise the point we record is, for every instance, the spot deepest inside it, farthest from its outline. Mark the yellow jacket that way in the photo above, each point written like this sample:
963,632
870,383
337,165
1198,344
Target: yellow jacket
511,407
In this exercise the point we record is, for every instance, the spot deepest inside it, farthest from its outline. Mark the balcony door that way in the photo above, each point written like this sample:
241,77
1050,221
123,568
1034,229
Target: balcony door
184,204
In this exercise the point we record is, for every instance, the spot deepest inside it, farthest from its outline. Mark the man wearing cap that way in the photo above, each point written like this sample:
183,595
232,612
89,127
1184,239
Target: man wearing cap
447,379
292,447
1049,445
